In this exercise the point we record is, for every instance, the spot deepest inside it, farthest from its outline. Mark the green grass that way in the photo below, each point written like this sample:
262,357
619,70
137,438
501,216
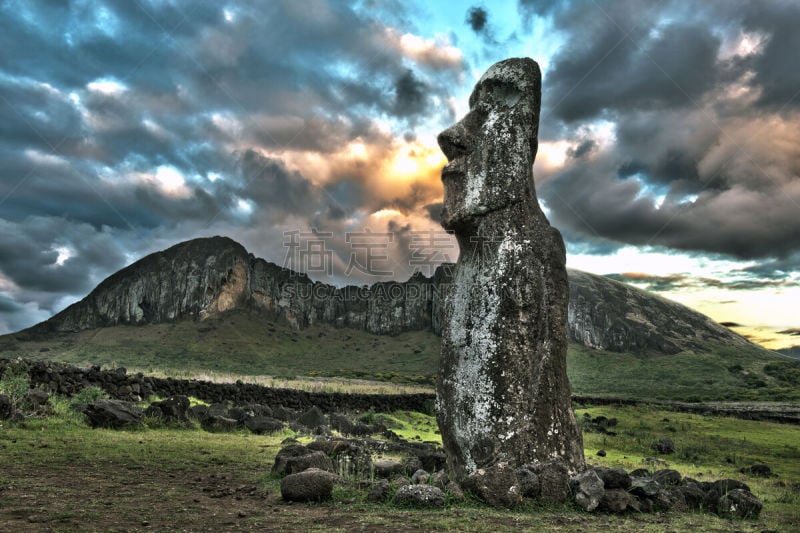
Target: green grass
60,472
239,344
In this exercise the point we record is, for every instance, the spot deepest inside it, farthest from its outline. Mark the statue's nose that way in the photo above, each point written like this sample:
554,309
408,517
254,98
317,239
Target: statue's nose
453,141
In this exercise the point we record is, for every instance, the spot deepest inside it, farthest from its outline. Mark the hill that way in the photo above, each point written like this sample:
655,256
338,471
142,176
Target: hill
207,305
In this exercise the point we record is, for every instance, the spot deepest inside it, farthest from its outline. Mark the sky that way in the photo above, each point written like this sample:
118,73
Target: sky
668,155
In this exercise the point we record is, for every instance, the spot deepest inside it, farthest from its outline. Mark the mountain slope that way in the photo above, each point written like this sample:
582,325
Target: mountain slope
202,278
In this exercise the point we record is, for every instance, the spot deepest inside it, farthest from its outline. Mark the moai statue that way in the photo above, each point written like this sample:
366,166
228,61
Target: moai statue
503,394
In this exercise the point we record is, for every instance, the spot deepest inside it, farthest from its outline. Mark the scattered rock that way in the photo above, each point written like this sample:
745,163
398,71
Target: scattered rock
614,478
261,425
739,503
644,487
308,485
601,453
388,469
112,414
174,408
313,418
454,490
528,482
495,485
667,477
218,424
432,458
380,491
420,477
419,496
289,451
664,446
412,464
757,470
554,480
693,495
440,479
615,501
640,472
313,459
588,489
37,398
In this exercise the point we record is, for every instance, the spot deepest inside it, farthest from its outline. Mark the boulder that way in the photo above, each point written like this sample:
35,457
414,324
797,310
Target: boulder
174,408
739,503
261,425
667,476
419,496
198,412
613,478
588,490
388,469
289,451
379,491
664,446
112,414
454,490
693,495
757,470
313,459
615,501
218,424
313,418
411,464
218,409
37,398
644,487
528,482
308,485
432,459
420,477
495,485
554,481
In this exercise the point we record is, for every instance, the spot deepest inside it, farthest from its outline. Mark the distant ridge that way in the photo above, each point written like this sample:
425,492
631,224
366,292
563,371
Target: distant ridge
203,278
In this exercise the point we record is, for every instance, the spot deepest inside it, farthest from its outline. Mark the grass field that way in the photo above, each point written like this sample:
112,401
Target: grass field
59,475
244,344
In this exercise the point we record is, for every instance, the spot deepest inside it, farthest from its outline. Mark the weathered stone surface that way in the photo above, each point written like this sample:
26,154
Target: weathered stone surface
388,469
740,503
379,491
614,478
37,398
663,446
112,414
528,482
308,485
644,487
314,459
263,424
420,477
313,418
615,501
218,424
496,485
667,476
173,408
288,452
419,496
503,393
588,489
554,481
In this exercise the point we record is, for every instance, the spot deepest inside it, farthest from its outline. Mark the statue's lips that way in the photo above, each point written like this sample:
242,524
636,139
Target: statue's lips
455,168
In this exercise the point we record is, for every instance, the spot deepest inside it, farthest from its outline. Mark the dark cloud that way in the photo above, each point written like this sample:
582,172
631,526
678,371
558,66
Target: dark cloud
477,17
674,282
698,105
410,96
790,331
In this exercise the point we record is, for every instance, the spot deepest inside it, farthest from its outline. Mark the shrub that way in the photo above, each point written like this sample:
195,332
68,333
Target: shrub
15,384
88,395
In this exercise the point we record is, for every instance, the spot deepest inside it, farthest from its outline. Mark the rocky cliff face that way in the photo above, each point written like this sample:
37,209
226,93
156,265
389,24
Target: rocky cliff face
201,278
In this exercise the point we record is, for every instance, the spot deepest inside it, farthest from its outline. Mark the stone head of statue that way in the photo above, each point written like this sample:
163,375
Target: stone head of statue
491,150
